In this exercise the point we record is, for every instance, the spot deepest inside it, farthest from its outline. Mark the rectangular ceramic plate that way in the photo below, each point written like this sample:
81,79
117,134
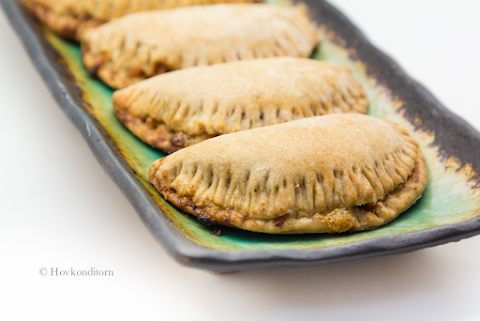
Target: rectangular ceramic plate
448,211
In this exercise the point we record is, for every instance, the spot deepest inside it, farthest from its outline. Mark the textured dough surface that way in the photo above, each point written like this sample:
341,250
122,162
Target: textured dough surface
329,174
184,107
70,18
142,45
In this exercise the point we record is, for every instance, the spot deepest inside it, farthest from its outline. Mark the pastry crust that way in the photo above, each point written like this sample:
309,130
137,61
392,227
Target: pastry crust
329,174
70,18
142,45
185,107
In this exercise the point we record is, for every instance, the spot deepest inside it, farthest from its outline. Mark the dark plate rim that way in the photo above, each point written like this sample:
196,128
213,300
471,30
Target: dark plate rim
433,116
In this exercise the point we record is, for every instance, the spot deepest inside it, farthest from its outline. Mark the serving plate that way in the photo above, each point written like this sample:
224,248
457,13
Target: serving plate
448,211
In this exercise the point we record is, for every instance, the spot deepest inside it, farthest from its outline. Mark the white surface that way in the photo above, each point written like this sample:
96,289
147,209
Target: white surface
58,209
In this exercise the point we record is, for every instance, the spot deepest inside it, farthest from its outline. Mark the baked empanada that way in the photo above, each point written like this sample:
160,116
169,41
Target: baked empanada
185,107
141,45
69,18
328,174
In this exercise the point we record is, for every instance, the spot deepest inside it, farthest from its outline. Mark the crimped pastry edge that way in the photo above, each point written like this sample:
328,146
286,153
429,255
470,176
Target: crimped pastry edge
157,135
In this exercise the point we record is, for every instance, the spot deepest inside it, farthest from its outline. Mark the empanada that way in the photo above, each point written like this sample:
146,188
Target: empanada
328,174
141,45
184,107
69,18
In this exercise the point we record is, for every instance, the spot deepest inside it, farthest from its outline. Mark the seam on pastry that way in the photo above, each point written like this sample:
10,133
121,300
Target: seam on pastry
156,134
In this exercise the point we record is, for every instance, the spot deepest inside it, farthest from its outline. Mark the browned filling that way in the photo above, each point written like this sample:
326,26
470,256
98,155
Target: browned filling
65,25
156,134
137,72
100,66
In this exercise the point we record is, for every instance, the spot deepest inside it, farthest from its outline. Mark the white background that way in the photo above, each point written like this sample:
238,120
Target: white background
58,209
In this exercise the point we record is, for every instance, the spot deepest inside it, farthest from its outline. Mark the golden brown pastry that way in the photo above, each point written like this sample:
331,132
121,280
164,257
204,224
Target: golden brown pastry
329,174
69,18
142,45
185,107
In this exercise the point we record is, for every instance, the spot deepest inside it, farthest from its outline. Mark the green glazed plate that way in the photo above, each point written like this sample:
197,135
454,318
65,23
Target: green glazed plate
448,211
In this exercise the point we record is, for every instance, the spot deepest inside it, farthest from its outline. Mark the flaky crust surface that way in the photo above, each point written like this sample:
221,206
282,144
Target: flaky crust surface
70,18
185,107
329,174
142,45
